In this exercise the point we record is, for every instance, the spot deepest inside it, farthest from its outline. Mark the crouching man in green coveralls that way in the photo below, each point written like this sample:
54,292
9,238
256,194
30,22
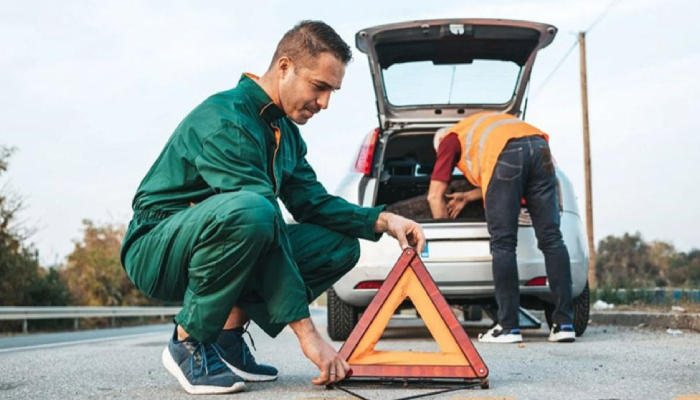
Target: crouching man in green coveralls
207,228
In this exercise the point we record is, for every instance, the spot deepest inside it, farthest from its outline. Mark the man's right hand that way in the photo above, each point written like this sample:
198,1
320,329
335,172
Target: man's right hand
406,231
331,366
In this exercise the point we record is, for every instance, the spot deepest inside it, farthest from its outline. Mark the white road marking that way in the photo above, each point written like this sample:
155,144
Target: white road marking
77,342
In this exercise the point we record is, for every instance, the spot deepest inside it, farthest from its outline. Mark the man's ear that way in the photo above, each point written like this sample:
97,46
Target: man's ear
284,66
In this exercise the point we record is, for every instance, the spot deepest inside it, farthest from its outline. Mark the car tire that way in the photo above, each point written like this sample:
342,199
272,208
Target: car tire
582,310
342,317
473,313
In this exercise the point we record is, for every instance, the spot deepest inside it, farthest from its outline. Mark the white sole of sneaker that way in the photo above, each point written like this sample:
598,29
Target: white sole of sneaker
499,340
248,376
484,338
175,371
562,337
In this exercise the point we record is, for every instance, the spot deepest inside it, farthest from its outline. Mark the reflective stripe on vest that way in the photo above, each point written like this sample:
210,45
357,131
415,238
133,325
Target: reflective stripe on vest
482,137
467,143
485,135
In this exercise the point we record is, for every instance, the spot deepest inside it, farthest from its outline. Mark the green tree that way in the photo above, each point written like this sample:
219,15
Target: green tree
684,269
693,262
623,262
662,255
93,272
628,262
23,281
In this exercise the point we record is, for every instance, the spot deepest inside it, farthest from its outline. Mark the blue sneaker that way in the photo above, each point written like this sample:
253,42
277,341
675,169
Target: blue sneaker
199,368
238,357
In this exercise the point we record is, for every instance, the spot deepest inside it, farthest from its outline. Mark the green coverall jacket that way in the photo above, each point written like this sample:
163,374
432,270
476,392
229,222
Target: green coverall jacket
207,227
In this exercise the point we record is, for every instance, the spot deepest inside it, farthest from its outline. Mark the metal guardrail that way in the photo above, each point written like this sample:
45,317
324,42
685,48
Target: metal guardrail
24,314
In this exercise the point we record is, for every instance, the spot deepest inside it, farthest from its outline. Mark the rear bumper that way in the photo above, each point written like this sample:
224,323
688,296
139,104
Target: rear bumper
470,279
474,281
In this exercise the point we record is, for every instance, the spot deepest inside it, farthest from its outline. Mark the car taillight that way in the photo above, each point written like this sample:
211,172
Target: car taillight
366,155
539,281
369,285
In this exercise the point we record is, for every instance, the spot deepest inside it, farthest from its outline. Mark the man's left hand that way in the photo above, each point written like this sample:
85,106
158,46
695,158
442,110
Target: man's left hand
456,204
408,232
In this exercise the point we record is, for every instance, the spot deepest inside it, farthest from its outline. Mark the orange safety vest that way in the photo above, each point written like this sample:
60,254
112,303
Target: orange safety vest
482,137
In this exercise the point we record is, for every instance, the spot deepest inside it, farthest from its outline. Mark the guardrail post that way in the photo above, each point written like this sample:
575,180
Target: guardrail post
25,326
76,324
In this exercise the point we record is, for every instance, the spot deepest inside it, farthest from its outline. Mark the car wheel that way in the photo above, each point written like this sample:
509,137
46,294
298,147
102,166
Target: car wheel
582,309
473,313
342,317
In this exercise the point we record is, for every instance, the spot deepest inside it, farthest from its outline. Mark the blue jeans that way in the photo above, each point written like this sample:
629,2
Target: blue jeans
525,170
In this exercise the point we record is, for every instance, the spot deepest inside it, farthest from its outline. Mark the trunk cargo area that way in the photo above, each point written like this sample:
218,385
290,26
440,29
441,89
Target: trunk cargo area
407,162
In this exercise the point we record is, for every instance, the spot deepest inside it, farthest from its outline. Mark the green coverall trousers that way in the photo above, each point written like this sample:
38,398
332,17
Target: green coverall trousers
233,249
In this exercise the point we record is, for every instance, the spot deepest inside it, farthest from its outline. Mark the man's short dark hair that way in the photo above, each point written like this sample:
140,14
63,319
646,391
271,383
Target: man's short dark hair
307,40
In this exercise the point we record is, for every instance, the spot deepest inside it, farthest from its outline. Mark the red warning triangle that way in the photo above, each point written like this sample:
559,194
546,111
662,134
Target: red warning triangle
457,357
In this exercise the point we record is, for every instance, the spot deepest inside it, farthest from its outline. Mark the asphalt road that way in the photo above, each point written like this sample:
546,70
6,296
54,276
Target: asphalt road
606,363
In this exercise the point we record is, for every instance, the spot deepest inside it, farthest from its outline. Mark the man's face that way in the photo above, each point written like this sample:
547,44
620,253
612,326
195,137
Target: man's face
306,90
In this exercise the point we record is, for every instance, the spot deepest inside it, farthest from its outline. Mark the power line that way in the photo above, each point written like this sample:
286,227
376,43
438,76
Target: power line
539,89
602,15
573,45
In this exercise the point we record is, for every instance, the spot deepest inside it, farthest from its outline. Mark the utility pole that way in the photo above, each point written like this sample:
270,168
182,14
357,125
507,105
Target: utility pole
587,161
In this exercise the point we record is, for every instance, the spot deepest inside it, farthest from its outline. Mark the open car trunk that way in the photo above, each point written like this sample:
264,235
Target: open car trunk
407,161
433,73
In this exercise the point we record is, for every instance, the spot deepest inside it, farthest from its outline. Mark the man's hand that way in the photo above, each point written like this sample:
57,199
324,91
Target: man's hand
332,367
456,204
408,232
458,200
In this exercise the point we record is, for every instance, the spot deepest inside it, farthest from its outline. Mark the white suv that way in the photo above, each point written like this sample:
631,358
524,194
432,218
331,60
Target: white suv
427,75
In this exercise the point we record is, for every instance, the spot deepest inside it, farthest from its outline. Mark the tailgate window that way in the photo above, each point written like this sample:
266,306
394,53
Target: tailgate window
424,83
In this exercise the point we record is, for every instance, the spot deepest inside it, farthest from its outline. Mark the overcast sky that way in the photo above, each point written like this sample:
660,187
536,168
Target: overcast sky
91,90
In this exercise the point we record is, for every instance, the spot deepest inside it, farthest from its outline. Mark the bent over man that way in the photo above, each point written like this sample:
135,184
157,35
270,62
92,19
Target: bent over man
207,228
506,160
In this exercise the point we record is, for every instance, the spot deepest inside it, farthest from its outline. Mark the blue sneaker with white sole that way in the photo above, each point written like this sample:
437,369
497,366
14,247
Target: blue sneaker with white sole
240,360
199,367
